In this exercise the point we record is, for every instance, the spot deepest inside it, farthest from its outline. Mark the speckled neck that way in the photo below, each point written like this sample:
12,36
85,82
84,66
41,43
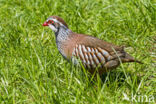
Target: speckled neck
62,36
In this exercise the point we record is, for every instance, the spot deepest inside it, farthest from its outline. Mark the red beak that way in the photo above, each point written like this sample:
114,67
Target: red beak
45,24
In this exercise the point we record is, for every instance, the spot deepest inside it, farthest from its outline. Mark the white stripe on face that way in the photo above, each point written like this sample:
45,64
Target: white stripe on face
56,21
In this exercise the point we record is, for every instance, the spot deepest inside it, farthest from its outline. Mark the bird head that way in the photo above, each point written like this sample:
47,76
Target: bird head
55,22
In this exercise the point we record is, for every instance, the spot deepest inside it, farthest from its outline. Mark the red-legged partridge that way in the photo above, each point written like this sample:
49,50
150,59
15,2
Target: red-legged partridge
93,52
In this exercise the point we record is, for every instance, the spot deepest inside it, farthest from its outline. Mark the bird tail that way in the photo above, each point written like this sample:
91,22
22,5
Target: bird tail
129,58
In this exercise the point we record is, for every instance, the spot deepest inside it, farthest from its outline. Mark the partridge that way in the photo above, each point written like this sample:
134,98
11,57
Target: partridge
92,52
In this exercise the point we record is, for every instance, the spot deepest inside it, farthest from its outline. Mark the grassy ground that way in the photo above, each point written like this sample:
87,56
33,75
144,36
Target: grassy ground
33,71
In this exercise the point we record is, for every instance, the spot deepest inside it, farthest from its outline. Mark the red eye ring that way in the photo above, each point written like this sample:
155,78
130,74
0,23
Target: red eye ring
50,21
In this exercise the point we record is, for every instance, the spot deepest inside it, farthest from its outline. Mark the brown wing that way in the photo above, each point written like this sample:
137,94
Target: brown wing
95,42
94,52
89,41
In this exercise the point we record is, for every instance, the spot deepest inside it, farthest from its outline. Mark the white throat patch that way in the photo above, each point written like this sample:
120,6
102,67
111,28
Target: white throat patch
53,28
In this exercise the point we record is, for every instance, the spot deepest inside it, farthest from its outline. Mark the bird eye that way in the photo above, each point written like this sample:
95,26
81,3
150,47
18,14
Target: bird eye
50,21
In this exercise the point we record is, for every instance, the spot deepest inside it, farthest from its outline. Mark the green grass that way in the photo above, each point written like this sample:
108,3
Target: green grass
33,71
